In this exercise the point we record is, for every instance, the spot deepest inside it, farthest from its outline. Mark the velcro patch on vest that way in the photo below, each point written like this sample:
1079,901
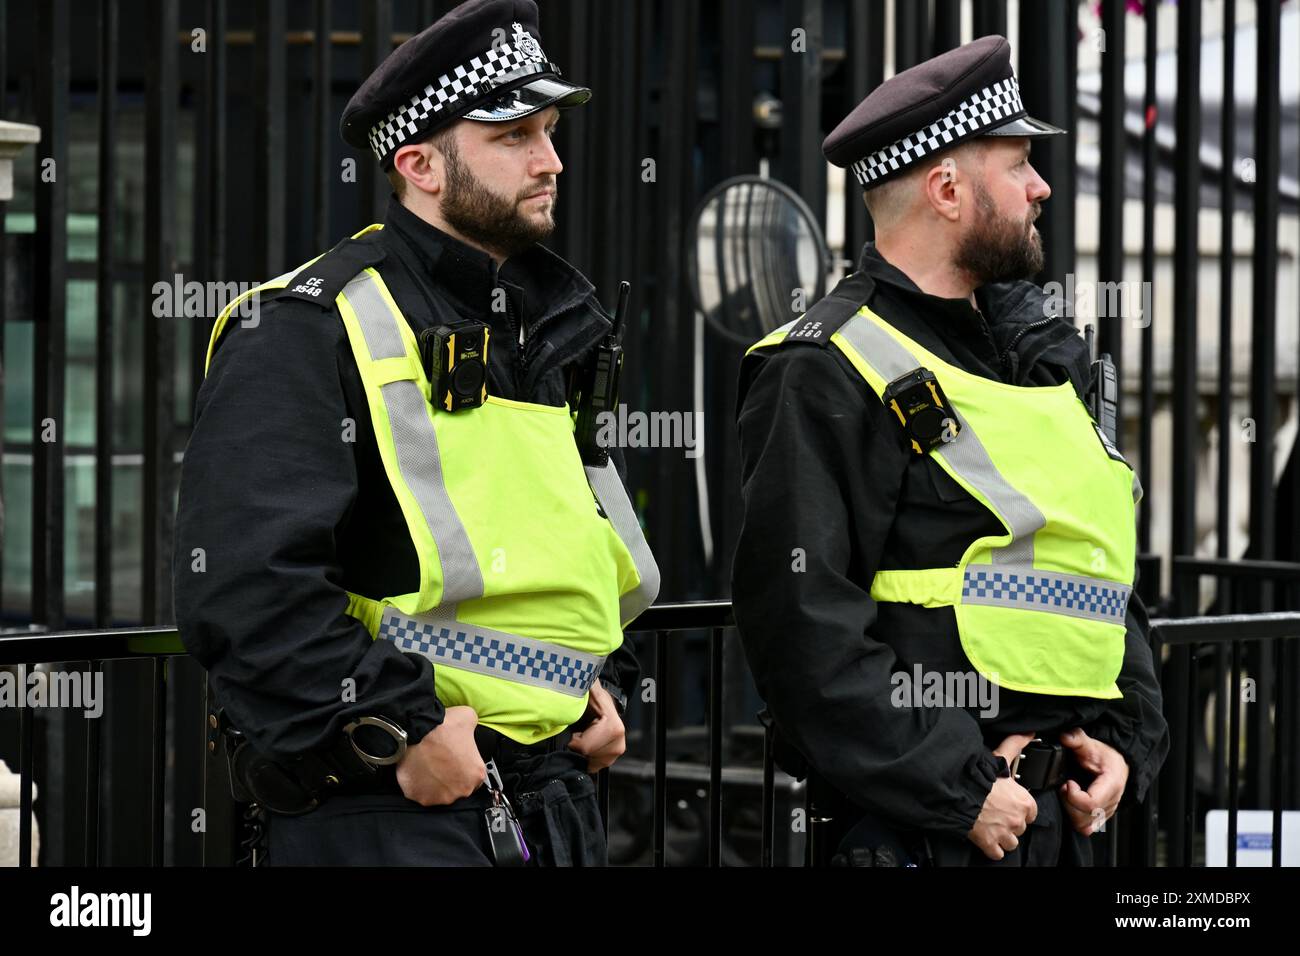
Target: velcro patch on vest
809,330
323,280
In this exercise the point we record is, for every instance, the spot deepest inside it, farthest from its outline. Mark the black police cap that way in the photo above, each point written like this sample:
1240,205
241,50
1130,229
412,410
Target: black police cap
482,61
961,94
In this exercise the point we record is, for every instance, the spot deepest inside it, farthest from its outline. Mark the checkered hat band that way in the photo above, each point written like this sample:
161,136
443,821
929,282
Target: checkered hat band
991,106
469,80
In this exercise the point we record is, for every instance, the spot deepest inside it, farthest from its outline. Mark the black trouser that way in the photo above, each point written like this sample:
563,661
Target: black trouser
552,794
1049,841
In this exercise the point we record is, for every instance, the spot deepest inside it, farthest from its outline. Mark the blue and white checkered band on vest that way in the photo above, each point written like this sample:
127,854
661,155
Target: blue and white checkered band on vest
991,106
520,56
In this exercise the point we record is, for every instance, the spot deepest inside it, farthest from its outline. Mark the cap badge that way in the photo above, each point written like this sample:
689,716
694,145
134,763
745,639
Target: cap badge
527,44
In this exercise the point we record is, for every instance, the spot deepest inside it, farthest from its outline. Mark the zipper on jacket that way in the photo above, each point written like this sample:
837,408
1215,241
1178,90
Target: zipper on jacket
1015,339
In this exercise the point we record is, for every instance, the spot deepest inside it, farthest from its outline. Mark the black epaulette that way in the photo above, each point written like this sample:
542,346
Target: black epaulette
826,317
322,281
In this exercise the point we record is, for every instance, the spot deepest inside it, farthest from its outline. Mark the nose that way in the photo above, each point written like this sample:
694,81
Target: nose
546,160
1038,190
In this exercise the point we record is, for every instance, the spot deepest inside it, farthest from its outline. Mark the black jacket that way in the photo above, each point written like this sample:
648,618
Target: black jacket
826,469
290,515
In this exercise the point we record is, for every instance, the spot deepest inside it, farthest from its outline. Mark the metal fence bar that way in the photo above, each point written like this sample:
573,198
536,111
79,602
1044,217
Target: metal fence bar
1147,396
864,67
1110,242
990,17
1234,755
323,120
1263,373
50,304
104,300
1187,188
768,799
1227,189
716,718
661,748
158,789
947,26
91,853
159,340
269,132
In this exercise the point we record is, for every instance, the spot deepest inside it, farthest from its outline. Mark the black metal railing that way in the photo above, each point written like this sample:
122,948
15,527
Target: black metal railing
1188,640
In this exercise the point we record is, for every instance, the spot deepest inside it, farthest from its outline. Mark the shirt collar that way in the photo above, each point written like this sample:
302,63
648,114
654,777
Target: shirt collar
955,314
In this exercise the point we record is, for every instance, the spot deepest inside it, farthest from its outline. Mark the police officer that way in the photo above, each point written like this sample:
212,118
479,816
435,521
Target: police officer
405,585
934,580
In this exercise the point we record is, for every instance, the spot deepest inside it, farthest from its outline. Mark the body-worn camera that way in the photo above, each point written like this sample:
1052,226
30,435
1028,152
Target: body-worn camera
920,404
455,359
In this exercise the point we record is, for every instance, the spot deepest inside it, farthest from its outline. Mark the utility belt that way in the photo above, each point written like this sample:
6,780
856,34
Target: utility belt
302,783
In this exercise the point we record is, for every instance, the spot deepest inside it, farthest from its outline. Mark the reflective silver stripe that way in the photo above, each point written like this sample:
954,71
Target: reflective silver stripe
611,494
481,650
383,337
965,453
1026,587
416,441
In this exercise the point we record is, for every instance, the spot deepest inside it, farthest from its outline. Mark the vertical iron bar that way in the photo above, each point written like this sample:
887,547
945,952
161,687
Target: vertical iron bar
864,71
50,300
158,794
104,298
269,133
769,798
1263,375
92,777
159,339
1227,146
736,113
990,17
661,747
1234,753
1110,248
1281,709
324,118
1148,393
947,26
1048,84
1189,765
376,44
715,747
801,100
1187,190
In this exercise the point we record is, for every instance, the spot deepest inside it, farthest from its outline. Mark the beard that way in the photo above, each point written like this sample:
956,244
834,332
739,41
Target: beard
487,218
999,249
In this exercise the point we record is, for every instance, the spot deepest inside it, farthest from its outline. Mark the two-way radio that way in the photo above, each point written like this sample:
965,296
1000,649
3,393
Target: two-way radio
596,383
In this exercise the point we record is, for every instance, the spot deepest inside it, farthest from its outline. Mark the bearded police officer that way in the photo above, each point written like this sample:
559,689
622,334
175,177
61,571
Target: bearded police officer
934,581
407,582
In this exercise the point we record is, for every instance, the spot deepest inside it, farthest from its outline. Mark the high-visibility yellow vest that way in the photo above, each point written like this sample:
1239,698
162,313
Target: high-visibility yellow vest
1041,607
530,563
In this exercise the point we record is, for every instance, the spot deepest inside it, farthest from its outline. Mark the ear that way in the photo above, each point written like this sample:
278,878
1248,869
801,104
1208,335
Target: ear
943,189
422,165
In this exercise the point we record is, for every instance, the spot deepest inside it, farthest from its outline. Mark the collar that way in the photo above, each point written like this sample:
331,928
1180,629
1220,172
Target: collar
541,283
953,315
